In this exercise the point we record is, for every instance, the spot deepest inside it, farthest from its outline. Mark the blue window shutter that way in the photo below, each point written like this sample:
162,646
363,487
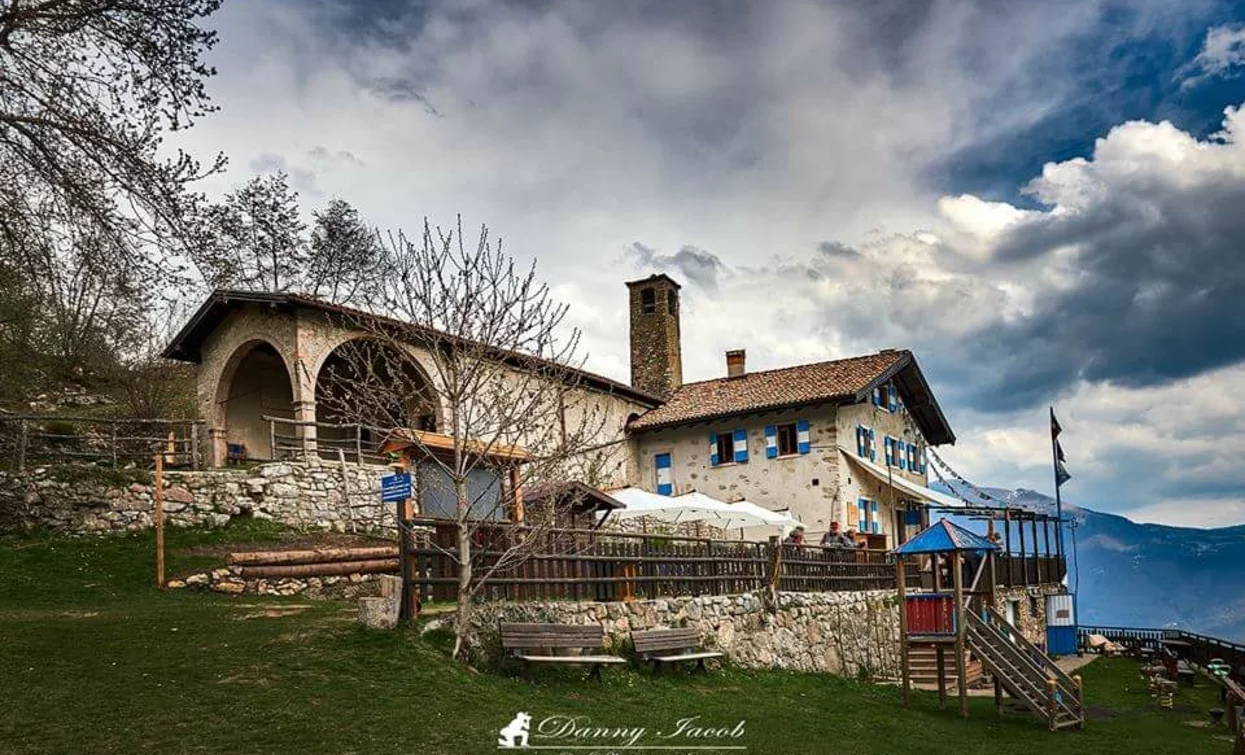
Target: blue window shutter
771,442
901,451
713,450
860,441
803,439
873,449
741,446
888,449
665,474
863,523
877,524
892,398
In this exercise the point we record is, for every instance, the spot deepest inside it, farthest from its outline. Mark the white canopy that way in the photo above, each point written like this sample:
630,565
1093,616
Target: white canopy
902,483
698,507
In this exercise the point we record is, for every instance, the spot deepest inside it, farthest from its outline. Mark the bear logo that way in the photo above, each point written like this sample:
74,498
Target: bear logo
515,733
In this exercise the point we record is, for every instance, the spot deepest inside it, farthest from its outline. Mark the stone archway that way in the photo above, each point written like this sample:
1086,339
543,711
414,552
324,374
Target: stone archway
363,382
256,382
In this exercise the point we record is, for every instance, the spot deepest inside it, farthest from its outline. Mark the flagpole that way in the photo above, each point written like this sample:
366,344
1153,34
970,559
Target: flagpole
1054,453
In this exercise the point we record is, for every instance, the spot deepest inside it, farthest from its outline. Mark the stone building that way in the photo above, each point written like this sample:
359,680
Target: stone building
842,440
273,355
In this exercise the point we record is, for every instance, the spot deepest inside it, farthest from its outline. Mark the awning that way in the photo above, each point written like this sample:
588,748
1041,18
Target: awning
900,482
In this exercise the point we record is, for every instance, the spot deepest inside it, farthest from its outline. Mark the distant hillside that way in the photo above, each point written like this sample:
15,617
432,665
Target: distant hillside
1150,574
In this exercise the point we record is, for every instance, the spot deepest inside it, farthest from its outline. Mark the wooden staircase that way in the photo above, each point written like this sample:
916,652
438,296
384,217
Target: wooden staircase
1027,673
923,666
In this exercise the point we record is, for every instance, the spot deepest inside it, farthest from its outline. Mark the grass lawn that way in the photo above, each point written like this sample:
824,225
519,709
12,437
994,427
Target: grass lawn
93,659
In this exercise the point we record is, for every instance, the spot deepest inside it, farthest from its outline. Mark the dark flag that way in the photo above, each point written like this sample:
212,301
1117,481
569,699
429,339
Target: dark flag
1061,472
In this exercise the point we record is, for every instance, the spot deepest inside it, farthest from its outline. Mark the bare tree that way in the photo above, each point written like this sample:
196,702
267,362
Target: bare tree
88,88
474,345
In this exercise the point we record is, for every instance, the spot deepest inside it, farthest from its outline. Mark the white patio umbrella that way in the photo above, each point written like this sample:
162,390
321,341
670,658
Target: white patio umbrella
641,503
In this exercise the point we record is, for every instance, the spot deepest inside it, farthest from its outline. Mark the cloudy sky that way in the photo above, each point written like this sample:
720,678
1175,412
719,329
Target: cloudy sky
1044,201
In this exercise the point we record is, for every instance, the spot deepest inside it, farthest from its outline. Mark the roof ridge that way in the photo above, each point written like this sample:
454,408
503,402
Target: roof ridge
897,352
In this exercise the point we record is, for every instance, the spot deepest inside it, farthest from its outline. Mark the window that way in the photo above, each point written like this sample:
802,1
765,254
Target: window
672,302
648,301
788,440
664,474
725,449
864,443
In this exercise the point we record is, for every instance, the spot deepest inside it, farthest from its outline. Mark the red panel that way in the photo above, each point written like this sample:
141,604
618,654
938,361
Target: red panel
930,614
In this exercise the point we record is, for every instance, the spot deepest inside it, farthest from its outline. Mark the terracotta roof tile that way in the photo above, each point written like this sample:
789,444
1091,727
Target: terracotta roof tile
837,380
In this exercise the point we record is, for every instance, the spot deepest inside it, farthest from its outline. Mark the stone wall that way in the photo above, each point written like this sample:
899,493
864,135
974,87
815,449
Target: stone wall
1030,609
306,494
845,633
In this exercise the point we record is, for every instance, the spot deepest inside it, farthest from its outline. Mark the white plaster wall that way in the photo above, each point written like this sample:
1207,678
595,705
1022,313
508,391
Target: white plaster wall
785,482
857,483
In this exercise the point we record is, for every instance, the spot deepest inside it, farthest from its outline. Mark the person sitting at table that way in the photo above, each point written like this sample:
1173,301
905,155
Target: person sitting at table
836,538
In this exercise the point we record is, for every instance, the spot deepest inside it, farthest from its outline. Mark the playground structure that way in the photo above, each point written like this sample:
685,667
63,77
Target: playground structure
966,620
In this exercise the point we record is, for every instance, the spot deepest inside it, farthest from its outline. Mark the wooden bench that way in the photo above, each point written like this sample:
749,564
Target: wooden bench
541,643
660,646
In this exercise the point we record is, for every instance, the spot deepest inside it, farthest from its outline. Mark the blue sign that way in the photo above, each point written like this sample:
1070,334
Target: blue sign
395,487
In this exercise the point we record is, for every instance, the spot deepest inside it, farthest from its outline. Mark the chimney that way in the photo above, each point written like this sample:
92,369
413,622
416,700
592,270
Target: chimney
735,363
656,354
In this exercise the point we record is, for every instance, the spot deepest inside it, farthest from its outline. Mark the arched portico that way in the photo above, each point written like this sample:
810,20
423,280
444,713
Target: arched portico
375,386
255,382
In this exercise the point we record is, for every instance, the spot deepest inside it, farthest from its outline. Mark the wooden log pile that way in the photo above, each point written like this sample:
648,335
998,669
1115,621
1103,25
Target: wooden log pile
316,562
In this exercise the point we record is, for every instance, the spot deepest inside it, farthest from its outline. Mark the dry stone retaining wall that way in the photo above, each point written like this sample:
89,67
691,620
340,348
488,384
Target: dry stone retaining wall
845,633
304,494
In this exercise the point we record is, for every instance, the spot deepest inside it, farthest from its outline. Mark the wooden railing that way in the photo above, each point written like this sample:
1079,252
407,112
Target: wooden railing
1196,648
334,441
604,565
42,438
1023,571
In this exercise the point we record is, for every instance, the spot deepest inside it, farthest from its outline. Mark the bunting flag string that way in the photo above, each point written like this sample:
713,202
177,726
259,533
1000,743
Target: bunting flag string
945,467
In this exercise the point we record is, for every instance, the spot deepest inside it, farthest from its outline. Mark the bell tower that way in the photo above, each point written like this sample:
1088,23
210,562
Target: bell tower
656,354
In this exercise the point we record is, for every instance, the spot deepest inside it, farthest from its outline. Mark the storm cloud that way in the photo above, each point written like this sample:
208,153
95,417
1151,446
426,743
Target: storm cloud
987,183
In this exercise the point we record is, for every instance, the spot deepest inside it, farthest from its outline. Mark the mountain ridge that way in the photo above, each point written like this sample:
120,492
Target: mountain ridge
1131,573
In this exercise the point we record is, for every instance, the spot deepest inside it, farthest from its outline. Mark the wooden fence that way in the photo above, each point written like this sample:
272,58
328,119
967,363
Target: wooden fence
27,439
605,565
1196,648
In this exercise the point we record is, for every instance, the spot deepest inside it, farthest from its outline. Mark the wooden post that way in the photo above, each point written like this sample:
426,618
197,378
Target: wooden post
195,459
957,579
272,440
1080,688
409,606
940,664
1024,553
998,694
903,628
358,444
341,460
1037,561
1051,705
158,487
